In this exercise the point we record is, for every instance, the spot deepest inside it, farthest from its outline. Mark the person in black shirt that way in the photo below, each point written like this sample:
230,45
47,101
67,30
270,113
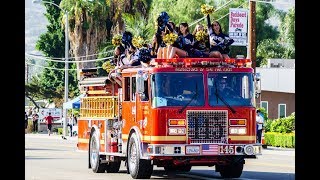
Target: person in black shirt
164,50
201,44
25,122
219,42
186,42
119,55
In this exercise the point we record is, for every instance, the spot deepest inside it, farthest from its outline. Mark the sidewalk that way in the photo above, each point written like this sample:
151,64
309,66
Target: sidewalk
52,136
280,148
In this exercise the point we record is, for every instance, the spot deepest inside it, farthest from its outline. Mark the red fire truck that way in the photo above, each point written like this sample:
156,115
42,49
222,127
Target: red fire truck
176,113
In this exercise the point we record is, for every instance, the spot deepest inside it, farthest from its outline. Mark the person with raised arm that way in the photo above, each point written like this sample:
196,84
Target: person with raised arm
219,41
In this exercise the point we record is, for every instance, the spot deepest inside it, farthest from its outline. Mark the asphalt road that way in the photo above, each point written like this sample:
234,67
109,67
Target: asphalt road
52,158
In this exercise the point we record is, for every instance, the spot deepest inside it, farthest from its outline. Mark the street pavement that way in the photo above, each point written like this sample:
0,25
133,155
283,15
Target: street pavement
74,139
60,158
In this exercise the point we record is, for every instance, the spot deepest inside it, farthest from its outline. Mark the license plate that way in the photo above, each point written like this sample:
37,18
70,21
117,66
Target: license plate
192,149
227,149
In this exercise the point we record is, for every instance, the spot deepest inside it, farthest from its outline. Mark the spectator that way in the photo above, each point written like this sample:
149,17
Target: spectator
35,119
75,120
259,122
70,124
25,122
49,121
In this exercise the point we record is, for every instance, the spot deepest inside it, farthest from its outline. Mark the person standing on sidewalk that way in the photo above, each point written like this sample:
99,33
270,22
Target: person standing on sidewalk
70,124
49,121
25,122
35,119
259,121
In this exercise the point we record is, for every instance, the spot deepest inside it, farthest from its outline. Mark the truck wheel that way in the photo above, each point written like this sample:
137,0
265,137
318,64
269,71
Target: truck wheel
95,162
138,168
113,167
231,170
171,168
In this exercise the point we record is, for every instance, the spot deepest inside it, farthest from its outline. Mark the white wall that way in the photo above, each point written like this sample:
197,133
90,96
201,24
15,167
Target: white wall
277,79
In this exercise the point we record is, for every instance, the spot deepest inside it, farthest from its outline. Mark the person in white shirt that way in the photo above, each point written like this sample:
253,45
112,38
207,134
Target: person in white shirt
70,124
259,122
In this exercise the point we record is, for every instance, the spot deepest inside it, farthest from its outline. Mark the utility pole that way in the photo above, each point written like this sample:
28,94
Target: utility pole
251,52
26,72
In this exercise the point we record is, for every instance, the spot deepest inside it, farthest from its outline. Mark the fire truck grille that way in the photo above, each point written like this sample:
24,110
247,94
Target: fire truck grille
207,126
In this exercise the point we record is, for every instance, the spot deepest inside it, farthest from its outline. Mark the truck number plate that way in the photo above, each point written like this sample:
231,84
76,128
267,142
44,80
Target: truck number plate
227,149
192,149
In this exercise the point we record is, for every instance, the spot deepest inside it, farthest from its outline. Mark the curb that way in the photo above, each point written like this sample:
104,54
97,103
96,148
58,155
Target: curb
52,136
279,148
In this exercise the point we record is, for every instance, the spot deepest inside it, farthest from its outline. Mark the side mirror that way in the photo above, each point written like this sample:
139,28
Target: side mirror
257,85
257,76
257,95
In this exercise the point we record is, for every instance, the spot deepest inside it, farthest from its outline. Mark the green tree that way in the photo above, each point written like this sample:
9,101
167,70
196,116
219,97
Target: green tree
137,25
35,91
179,11
105,52
51,44
268,48
87,28
287,34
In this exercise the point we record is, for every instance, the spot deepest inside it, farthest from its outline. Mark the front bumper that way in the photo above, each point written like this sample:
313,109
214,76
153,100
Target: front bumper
203,149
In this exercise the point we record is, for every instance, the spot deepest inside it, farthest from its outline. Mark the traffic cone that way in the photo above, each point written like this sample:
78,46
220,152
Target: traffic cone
263,141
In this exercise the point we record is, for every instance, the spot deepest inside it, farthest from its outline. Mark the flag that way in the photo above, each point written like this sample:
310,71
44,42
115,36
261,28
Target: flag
210,149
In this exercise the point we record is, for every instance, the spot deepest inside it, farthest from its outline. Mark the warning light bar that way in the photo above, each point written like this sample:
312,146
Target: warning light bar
203,62
238,62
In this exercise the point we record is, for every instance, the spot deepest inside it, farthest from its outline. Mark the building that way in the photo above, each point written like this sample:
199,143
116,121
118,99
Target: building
277,87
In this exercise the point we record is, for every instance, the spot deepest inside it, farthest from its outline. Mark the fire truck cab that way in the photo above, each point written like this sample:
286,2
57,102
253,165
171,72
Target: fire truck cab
176,113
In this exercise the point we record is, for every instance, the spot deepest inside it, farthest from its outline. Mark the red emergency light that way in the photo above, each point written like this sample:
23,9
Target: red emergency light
203,62
238,62
187,62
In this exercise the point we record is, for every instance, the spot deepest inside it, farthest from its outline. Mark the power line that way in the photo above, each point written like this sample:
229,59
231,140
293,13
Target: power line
76,57
274,2
46,67
224,5
62,61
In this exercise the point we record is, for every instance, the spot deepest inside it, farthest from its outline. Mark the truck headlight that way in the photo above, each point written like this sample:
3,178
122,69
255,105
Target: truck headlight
238,130
177,131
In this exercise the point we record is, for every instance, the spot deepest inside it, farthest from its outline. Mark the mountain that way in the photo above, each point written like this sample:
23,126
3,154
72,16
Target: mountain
35,24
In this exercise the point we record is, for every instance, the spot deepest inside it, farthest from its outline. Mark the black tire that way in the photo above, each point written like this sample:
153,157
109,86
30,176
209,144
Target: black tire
113,167
138,168
171,168
94,156
230,171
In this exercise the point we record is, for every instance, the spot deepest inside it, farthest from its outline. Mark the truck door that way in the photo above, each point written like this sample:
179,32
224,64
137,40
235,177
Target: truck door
142,108
128,108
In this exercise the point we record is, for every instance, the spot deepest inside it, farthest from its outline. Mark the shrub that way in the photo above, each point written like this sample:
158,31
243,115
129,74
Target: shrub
60,130
267,125
264,113
280,139
55,130
282,125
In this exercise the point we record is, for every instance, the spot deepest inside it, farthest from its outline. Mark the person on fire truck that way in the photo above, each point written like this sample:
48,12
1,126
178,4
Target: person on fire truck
224,89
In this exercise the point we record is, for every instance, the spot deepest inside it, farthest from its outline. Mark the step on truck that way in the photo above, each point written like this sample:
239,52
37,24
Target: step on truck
171,114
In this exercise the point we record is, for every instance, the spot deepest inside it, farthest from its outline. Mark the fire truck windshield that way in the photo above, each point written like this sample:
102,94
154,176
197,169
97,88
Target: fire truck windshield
178,89
235,88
